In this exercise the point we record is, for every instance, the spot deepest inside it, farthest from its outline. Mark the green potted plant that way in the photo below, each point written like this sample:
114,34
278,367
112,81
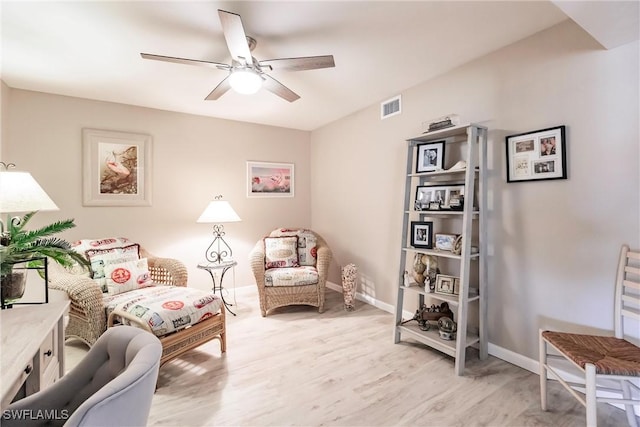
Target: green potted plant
31,246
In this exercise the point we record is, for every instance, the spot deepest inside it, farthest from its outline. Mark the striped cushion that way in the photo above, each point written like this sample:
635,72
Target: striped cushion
610,355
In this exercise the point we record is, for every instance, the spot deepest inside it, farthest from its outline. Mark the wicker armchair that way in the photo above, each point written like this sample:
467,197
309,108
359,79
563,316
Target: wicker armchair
87,317
293,294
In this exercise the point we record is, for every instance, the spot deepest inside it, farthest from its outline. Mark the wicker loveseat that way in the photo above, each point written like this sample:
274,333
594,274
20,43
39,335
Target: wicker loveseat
301,281
88,317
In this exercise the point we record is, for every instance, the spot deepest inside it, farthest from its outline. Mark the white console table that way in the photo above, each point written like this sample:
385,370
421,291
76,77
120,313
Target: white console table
32,348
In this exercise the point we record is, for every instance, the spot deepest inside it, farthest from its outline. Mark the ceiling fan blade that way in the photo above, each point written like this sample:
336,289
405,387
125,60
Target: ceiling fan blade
199,62
220,90
300,64
235,36
272,85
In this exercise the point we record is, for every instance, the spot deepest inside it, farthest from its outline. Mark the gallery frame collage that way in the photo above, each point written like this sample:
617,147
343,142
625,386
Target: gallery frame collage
537,155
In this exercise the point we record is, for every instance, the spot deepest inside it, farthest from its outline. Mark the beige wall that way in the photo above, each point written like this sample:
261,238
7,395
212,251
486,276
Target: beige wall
554,244
4,109
194,159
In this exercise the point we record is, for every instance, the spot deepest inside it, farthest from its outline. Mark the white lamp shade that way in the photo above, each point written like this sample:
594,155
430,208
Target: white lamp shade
219,211
20,192
246,82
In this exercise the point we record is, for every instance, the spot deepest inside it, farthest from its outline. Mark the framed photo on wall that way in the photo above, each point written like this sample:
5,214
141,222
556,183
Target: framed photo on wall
422,234
116,168
430,157
270,179
537,155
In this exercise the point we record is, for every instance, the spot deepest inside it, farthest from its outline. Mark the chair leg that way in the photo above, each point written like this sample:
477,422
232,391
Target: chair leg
592,417
543,372
626,393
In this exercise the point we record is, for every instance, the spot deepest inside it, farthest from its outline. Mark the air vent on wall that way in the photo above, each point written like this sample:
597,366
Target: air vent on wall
391,107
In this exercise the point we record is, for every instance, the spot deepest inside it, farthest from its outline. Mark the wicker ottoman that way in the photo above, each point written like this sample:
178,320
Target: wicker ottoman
182,318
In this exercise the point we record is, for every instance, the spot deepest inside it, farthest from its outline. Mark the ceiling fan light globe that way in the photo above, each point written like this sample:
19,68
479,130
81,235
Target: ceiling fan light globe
246,82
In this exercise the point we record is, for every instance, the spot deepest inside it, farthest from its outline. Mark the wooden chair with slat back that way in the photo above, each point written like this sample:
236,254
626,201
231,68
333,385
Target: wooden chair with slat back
609,365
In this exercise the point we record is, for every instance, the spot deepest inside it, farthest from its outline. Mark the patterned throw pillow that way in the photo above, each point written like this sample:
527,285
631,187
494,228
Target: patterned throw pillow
307,244
100,258
307,248
82,246
127,276
281,252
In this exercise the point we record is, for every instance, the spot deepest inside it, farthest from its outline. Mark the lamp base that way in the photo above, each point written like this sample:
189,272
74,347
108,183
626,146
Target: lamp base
219,250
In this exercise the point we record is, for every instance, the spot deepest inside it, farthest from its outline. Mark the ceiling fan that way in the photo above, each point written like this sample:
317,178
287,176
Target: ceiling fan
246,74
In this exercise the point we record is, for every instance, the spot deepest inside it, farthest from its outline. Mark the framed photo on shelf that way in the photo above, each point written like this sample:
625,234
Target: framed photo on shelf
437,197
430,157
537,155
424,196
445,242
422,234
448,285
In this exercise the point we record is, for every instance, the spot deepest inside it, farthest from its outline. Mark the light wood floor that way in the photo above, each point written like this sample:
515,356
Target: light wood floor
300,368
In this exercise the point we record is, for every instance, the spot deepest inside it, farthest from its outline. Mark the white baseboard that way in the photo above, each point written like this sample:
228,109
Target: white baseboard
366,298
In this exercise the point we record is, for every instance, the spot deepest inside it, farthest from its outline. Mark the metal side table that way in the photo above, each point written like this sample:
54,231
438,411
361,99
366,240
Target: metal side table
215,269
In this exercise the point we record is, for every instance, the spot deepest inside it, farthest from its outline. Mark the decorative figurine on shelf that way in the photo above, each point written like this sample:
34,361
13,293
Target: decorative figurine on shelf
435,312
425,270
419,317
405,279
418,269
457,245
447,328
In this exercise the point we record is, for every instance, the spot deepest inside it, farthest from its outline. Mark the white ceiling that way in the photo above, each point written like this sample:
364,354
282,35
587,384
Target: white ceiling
92,50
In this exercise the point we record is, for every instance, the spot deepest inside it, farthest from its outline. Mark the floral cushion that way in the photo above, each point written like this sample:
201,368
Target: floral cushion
281,252
165,308
307,244
127,276
291,276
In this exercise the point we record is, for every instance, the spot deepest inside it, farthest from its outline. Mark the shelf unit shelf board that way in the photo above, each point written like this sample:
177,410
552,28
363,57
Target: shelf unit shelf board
440,253
432,338
451,299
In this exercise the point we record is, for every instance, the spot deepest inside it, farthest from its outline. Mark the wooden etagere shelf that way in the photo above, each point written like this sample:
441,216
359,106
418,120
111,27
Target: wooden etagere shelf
468,263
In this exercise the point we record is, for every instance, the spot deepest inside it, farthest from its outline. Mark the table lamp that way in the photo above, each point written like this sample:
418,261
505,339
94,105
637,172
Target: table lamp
218,212
20,192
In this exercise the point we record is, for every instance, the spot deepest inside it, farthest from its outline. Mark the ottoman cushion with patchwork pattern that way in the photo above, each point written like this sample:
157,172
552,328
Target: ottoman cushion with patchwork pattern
165,309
